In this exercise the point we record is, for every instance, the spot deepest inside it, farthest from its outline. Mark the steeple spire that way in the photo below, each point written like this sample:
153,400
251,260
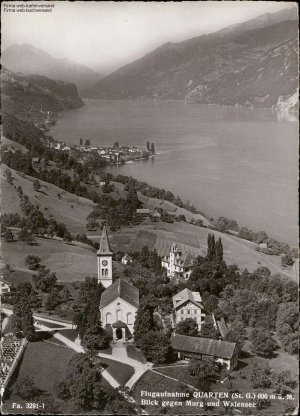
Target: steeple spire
104,247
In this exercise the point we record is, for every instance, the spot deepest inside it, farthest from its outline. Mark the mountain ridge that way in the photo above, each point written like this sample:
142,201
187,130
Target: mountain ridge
252,64
30,60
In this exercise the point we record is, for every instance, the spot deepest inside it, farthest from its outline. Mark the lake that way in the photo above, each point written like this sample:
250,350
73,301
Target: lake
240,163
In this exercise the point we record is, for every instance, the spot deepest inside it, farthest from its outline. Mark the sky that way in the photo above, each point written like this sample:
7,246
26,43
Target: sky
106,35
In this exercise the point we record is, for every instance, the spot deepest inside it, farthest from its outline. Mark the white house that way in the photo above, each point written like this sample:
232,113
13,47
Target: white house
188,304
4,285
126,259
178,263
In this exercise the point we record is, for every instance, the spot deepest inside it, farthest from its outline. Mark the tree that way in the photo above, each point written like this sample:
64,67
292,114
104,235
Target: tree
9,176
204,371
283,382
187,327
287,260
208,330
156,347
53,299
82,383
80,141
148,145
262,342
152,148
22,320
211,252
144,321
219,250
9,236
87,142
116,145
26,389
237,334
261,377
67,237
32,262
36,185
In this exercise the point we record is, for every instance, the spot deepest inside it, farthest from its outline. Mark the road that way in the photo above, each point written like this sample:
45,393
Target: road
119,353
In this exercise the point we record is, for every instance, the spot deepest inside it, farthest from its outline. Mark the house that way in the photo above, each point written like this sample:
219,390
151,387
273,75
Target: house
118,307
178,263
263,246
143,212
222,352
157,215
188,304
4,285
126,259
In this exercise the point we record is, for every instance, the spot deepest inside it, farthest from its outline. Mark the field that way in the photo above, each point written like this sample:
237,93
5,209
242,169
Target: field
65,207
45,362
70,262
75,262
119,371
189,237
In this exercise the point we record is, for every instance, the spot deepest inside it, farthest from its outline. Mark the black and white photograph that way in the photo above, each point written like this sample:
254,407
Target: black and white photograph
149,208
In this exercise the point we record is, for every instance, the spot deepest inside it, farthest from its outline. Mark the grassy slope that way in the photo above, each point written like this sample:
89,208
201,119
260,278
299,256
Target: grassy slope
47,199
160,235
70,262
194,239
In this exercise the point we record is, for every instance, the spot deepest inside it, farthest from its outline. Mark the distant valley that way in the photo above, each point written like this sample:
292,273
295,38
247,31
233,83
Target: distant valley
30,60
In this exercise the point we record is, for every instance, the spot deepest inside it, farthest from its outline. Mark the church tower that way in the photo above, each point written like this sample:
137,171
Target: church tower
104,260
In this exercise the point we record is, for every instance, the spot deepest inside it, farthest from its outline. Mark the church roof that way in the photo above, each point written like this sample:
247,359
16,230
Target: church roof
120,289
104,247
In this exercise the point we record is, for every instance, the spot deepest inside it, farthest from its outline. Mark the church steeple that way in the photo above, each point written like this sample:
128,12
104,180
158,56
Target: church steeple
104,260
104,247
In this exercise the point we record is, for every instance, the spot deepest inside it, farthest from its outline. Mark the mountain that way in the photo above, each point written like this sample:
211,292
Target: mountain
34,97
30,60
249,64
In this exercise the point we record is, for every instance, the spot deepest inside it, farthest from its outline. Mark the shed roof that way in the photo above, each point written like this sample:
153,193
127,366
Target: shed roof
206,346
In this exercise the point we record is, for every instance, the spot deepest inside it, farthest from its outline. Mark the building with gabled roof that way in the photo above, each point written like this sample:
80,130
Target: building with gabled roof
222,352
118,306
188,304
178,263
126,259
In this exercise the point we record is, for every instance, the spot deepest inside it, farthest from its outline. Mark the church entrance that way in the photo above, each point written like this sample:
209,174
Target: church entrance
119,333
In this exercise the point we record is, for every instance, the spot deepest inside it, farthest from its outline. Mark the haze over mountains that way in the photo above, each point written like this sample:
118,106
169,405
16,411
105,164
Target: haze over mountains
249,64
30,60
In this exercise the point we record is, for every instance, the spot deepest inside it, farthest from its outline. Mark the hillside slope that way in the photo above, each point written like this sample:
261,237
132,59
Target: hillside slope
252,64
26,96
52,201
30,60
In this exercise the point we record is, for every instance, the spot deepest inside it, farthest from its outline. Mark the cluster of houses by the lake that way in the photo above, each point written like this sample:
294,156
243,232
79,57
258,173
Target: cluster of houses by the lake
115,154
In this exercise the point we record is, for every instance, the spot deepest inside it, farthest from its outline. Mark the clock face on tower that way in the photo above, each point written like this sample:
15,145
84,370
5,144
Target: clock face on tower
104,262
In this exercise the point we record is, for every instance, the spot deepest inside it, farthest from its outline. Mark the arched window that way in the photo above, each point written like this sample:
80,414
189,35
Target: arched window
129,318
119,315
106,272
108,318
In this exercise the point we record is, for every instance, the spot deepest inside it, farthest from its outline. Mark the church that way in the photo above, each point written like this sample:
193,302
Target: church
120,300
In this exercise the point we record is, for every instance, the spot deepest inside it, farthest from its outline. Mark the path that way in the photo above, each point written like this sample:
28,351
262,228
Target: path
119,353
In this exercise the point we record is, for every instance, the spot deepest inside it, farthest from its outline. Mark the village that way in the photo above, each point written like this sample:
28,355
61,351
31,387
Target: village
113,155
